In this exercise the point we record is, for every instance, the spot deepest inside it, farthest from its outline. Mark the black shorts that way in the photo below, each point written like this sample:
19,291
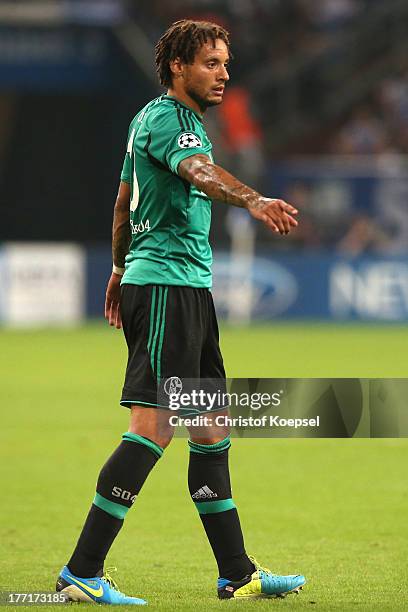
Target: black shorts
171,332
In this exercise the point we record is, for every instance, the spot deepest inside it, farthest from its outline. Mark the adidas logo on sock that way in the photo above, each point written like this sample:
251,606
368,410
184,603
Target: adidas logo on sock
204,493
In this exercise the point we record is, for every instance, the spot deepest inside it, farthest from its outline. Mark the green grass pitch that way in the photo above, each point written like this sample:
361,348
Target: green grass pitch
335,510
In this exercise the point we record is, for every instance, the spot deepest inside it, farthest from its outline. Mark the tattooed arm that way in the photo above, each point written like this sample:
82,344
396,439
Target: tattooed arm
219,184
120,248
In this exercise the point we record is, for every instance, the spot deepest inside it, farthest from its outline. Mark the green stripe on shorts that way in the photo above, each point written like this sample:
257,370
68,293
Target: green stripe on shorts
151,318
161,336
156,327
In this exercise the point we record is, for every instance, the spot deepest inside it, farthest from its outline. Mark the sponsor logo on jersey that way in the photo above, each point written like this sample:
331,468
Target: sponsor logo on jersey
189,141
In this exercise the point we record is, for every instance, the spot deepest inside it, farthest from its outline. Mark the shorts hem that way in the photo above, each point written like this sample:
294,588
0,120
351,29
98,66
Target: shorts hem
182,412
128,403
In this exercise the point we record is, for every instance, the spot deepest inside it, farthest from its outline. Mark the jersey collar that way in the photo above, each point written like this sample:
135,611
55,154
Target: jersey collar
173,99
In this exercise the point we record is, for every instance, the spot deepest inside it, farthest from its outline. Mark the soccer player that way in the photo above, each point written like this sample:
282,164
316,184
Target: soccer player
159,291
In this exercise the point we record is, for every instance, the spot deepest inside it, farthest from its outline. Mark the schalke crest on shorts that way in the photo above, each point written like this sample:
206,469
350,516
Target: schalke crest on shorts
188,141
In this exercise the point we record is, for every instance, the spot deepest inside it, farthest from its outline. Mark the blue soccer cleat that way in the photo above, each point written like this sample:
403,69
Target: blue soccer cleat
101,589
261,583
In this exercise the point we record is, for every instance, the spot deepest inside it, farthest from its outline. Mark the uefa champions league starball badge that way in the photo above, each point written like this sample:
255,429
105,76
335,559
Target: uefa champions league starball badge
188,141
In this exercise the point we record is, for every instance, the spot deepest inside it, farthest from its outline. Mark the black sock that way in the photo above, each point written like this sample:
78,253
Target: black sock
119,483
210,489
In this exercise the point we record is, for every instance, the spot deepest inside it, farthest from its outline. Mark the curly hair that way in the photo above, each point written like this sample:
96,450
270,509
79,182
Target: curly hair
184,39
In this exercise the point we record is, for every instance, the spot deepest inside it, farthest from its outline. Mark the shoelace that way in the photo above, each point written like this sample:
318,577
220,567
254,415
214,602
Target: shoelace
258,566
108,578
266,573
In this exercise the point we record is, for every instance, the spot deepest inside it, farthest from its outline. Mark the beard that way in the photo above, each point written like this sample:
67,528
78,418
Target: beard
202,102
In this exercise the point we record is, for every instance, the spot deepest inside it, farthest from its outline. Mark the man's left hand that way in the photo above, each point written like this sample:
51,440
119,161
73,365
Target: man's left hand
112,301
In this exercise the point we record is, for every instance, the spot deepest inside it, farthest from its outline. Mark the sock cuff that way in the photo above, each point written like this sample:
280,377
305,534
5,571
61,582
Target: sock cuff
208,449
152,446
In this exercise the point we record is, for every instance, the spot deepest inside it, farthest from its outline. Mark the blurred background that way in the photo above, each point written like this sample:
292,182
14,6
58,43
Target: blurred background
316,112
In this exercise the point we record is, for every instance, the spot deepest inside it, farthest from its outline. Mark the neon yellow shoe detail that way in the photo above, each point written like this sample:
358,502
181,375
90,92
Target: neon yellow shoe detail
261,583
99,589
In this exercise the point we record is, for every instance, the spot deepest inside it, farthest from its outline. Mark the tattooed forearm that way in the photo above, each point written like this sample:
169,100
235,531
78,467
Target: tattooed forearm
120,231
217,183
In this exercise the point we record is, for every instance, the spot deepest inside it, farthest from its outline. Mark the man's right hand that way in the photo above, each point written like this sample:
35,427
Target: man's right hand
112,301
276,214
219,184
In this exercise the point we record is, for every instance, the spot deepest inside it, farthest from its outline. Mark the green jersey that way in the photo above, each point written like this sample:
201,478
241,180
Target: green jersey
170,219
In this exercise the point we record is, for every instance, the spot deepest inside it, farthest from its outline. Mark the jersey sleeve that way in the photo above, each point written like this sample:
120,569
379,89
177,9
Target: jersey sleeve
126,174
174,137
